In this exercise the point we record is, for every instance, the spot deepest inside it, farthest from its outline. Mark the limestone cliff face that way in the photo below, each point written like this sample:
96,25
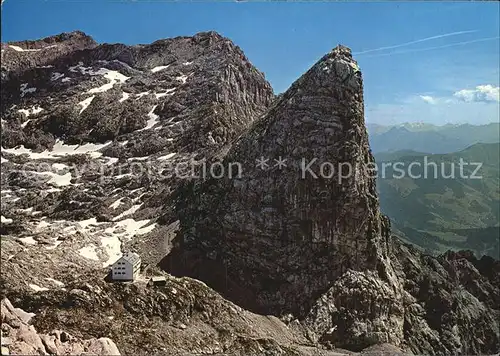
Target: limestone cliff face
282,235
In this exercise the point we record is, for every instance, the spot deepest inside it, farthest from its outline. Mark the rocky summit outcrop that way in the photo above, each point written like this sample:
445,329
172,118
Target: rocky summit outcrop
305,236
179,150
22,56
202,86
281,236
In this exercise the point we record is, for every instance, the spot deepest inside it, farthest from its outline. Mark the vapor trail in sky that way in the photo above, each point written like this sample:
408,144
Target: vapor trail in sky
435,47
416,41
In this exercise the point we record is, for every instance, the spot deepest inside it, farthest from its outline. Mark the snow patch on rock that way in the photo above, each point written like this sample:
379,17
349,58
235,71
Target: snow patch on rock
124,97
113,245
59,166
130,211
165,93
28,240
153,120
111,160
56,179
60,149
143,158
85,103
56,282
157,69
37,288
89,252
182,78
16,48
5,220
32,111
113,77
56,75
116,204
140,95
168,156
19,49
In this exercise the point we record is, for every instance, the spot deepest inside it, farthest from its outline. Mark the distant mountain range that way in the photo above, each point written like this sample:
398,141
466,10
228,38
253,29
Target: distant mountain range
430,138
439,213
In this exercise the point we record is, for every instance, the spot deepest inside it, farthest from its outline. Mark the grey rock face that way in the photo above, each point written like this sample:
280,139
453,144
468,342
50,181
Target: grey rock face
134,113
20,338
23,56
358,311
295,240
451,304
285,235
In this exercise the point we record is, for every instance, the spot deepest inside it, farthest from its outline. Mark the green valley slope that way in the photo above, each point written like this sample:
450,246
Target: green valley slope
438,211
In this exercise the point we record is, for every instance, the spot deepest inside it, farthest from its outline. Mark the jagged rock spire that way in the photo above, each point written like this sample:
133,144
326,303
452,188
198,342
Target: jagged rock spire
281,234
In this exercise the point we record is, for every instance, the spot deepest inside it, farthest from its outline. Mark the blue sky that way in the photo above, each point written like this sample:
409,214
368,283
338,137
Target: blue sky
432,80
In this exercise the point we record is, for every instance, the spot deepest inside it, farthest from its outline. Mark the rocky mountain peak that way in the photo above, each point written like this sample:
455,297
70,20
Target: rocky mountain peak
320,205
75,38
216,69
210,37
20,56
332,69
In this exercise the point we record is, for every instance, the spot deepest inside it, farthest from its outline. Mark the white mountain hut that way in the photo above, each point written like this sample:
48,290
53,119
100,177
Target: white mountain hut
127,267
